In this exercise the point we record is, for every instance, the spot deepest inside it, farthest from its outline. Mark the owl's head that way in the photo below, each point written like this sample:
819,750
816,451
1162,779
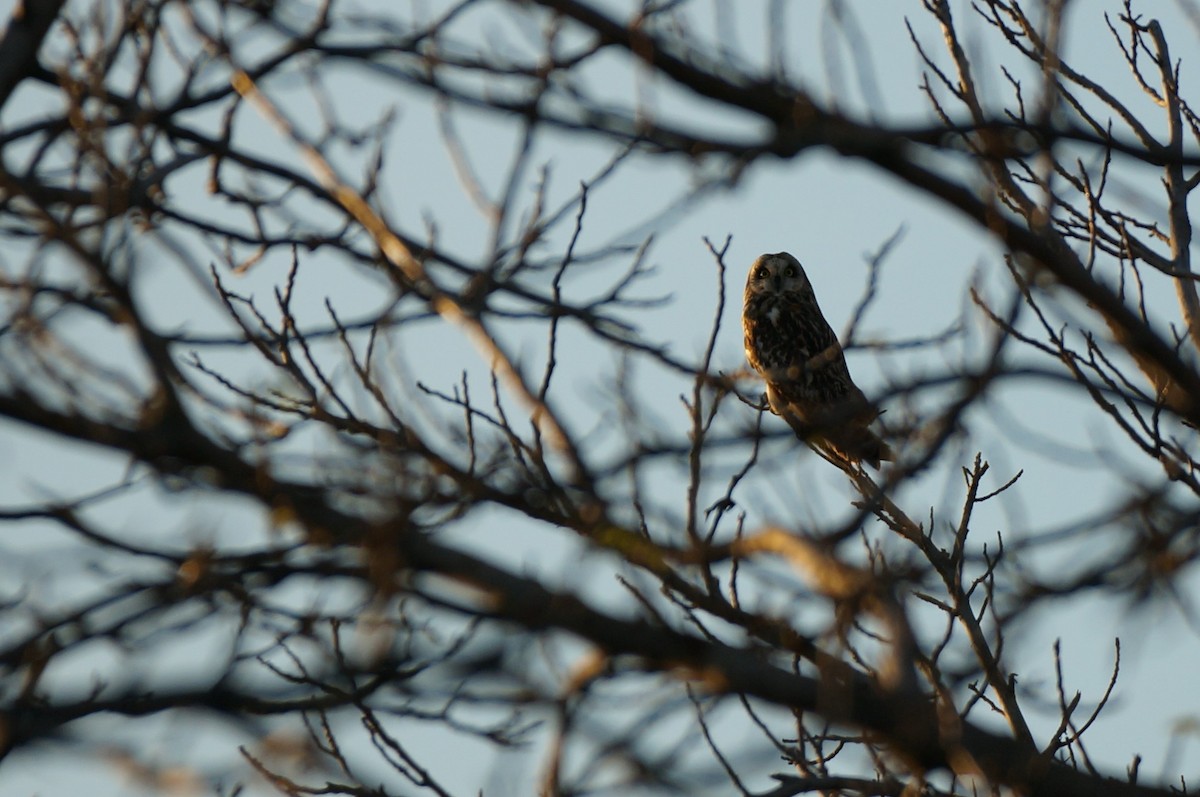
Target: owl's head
777,273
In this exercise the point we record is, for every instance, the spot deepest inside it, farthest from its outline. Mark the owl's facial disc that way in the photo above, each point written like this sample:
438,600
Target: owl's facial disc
777,273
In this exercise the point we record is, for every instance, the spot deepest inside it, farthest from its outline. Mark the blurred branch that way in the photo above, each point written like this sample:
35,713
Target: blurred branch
28,26
537,546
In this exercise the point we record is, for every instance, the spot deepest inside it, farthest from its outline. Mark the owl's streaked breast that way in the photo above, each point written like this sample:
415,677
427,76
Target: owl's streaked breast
770,333
783,332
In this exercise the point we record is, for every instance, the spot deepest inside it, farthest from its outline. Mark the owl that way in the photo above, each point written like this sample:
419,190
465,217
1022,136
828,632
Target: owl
789,342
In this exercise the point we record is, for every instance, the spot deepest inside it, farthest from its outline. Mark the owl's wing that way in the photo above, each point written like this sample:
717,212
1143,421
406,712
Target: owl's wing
819,412
817,397
843,427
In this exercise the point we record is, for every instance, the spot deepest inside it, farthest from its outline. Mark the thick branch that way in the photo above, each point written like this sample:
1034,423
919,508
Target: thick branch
30,22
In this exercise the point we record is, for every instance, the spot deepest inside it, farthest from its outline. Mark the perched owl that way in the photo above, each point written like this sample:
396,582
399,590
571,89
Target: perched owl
791,344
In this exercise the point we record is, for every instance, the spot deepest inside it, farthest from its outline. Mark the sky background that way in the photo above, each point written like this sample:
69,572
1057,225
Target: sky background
831,213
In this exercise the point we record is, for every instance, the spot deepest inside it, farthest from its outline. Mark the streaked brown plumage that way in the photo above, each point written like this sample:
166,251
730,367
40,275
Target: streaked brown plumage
791,344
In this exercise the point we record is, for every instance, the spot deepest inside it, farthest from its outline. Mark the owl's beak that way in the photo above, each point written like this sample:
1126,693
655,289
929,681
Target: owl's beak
777,281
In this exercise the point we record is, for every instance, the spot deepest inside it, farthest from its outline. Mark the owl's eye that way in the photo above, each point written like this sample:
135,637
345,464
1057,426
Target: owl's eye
762,273
790,271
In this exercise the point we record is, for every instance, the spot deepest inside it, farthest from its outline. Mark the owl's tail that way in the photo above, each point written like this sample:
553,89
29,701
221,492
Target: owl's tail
859,444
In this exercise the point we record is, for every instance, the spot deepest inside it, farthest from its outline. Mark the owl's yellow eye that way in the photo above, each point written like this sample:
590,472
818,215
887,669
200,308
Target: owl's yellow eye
762,273
790,271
